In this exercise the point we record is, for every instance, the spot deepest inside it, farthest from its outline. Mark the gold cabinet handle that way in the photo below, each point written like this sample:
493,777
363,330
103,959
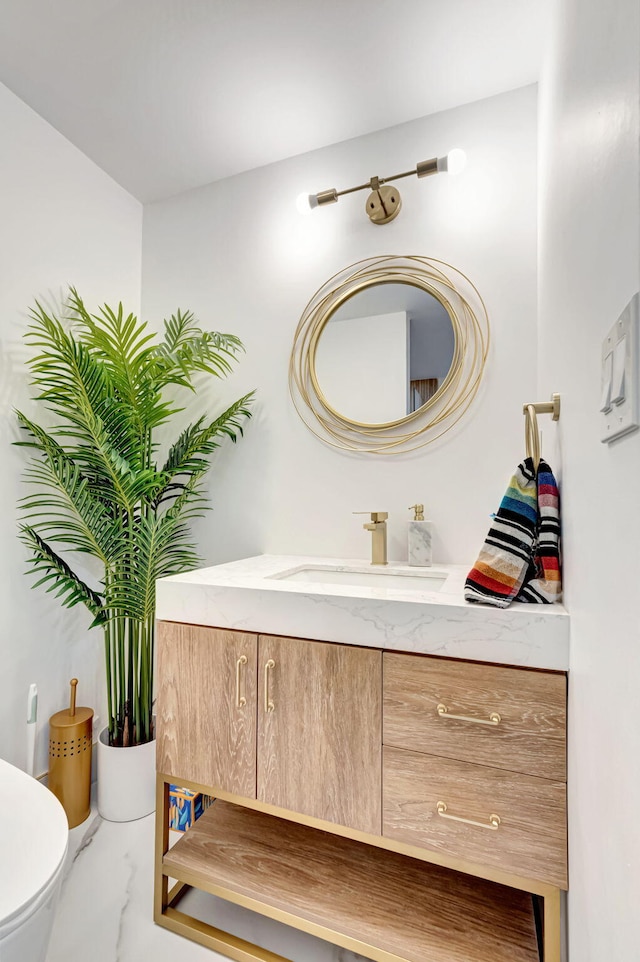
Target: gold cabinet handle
493,719
241,701
268,704
493,824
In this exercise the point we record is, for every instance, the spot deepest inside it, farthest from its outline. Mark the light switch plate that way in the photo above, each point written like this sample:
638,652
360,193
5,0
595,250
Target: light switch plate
622,415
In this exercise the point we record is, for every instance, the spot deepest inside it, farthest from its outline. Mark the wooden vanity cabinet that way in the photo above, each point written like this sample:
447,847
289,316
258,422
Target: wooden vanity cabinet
364,796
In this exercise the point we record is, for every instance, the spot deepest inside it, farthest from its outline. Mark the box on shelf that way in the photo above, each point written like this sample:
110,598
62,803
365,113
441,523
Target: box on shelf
185,807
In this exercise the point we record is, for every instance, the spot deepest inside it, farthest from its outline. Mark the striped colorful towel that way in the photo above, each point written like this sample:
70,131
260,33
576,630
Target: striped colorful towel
520,559
543,582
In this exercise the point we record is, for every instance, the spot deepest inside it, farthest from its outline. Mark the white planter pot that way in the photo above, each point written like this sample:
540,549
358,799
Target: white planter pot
126,780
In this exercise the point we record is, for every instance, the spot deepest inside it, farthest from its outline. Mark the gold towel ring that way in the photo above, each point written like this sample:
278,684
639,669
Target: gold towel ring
532,435
531,432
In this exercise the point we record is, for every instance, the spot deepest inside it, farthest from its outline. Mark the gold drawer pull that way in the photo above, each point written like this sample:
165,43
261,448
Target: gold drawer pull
268,704
493,825
241,701
493,719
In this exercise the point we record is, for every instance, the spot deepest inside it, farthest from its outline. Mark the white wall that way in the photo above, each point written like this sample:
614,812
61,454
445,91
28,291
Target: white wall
238,253
589,268
63,221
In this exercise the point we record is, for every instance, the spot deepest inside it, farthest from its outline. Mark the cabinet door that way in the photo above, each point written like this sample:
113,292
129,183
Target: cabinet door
319,730
206,707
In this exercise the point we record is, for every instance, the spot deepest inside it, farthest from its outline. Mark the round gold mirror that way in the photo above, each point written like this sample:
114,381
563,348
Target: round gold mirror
383,352
389,354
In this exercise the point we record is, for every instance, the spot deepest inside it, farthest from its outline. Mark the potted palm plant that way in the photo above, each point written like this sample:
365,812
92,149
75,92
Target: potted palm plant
100,489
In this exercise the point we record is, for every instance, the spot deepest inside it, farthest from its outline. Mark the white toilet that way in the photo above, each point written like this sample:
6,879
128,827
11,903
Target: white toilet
33,844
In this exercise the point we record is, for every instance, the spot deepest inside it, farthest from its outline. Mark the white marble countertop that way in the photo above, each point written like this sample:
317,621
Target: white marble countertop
247,595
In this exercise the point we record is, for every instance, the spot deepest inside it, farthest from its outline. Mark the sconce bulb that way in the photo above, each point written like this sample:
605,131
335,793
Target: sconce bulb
304,203
456,161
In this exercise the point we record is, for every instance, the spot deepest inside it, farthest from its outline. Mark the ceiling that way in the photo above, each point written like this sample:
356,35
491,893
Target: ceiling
166,95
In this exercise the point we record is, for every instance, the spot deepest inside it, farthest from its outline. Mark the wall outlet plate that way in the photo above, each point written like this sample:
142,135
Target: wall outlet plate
619,387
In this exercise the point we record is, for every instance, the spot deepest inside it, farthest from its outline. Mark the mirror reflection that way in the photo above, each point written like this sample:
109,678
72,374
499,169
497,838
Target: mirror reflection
384,353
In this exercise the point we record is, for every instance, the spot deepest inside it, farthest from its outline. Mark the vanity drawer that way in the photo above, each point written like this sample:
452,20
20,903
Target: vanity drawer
530,839
508,718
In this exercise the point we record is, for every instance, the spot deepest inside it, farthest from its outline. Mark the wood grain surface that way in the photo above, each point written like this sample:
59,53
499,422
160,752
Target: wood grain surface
531,735
202,734
418,911
531,840
319,751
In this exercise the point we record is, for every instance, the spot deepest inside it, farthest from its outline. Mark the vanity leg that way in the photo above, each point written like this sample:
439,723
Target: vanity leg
552,939
161,882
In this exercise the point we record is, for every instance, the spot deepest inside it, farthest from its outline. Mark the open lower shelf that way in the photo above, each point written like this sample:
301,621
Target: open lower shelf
381,904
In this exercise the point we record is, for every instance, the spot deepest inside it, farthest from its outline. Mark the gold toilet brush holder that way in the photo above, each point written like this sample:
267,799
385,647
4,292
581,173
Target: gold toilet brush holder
70,741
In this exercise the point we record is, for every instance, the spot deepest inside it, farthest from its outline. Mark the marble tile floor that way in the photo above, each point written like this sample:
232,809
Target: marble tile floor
105,910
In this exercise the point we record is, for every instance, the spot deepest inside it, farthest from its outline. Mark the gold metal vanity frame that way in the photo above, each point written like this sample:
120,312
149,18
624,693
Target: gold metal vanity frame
170,917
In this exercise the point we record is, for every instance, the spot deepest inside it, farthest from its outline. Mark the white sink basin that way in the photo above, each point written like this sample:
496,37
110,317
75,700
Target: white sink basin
425,579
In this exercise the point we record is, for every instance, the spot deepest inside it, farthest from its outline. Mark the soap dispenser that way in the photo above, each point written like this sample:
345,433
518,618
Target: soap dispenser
419,538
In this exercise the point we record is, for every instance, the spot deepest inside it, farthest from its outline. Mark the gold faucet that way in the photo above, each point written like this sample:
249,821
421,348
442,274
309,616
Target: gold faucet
378,528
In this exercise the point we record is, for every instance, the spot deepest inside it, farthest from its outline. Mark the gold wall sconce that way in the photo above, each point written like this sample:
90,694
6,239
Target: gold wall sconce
384,202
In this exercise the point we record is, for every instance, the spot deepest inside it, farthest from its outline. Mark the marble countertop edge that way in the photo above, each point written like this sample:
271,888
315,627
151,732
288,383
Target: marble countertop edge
246,595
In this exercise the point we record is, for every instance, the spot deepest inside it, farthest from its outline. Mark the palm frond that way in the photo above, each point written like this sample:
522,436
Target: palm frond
187,348
72,382
189,455
59,577
189,499
69,378
64,507
162,548
122,344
